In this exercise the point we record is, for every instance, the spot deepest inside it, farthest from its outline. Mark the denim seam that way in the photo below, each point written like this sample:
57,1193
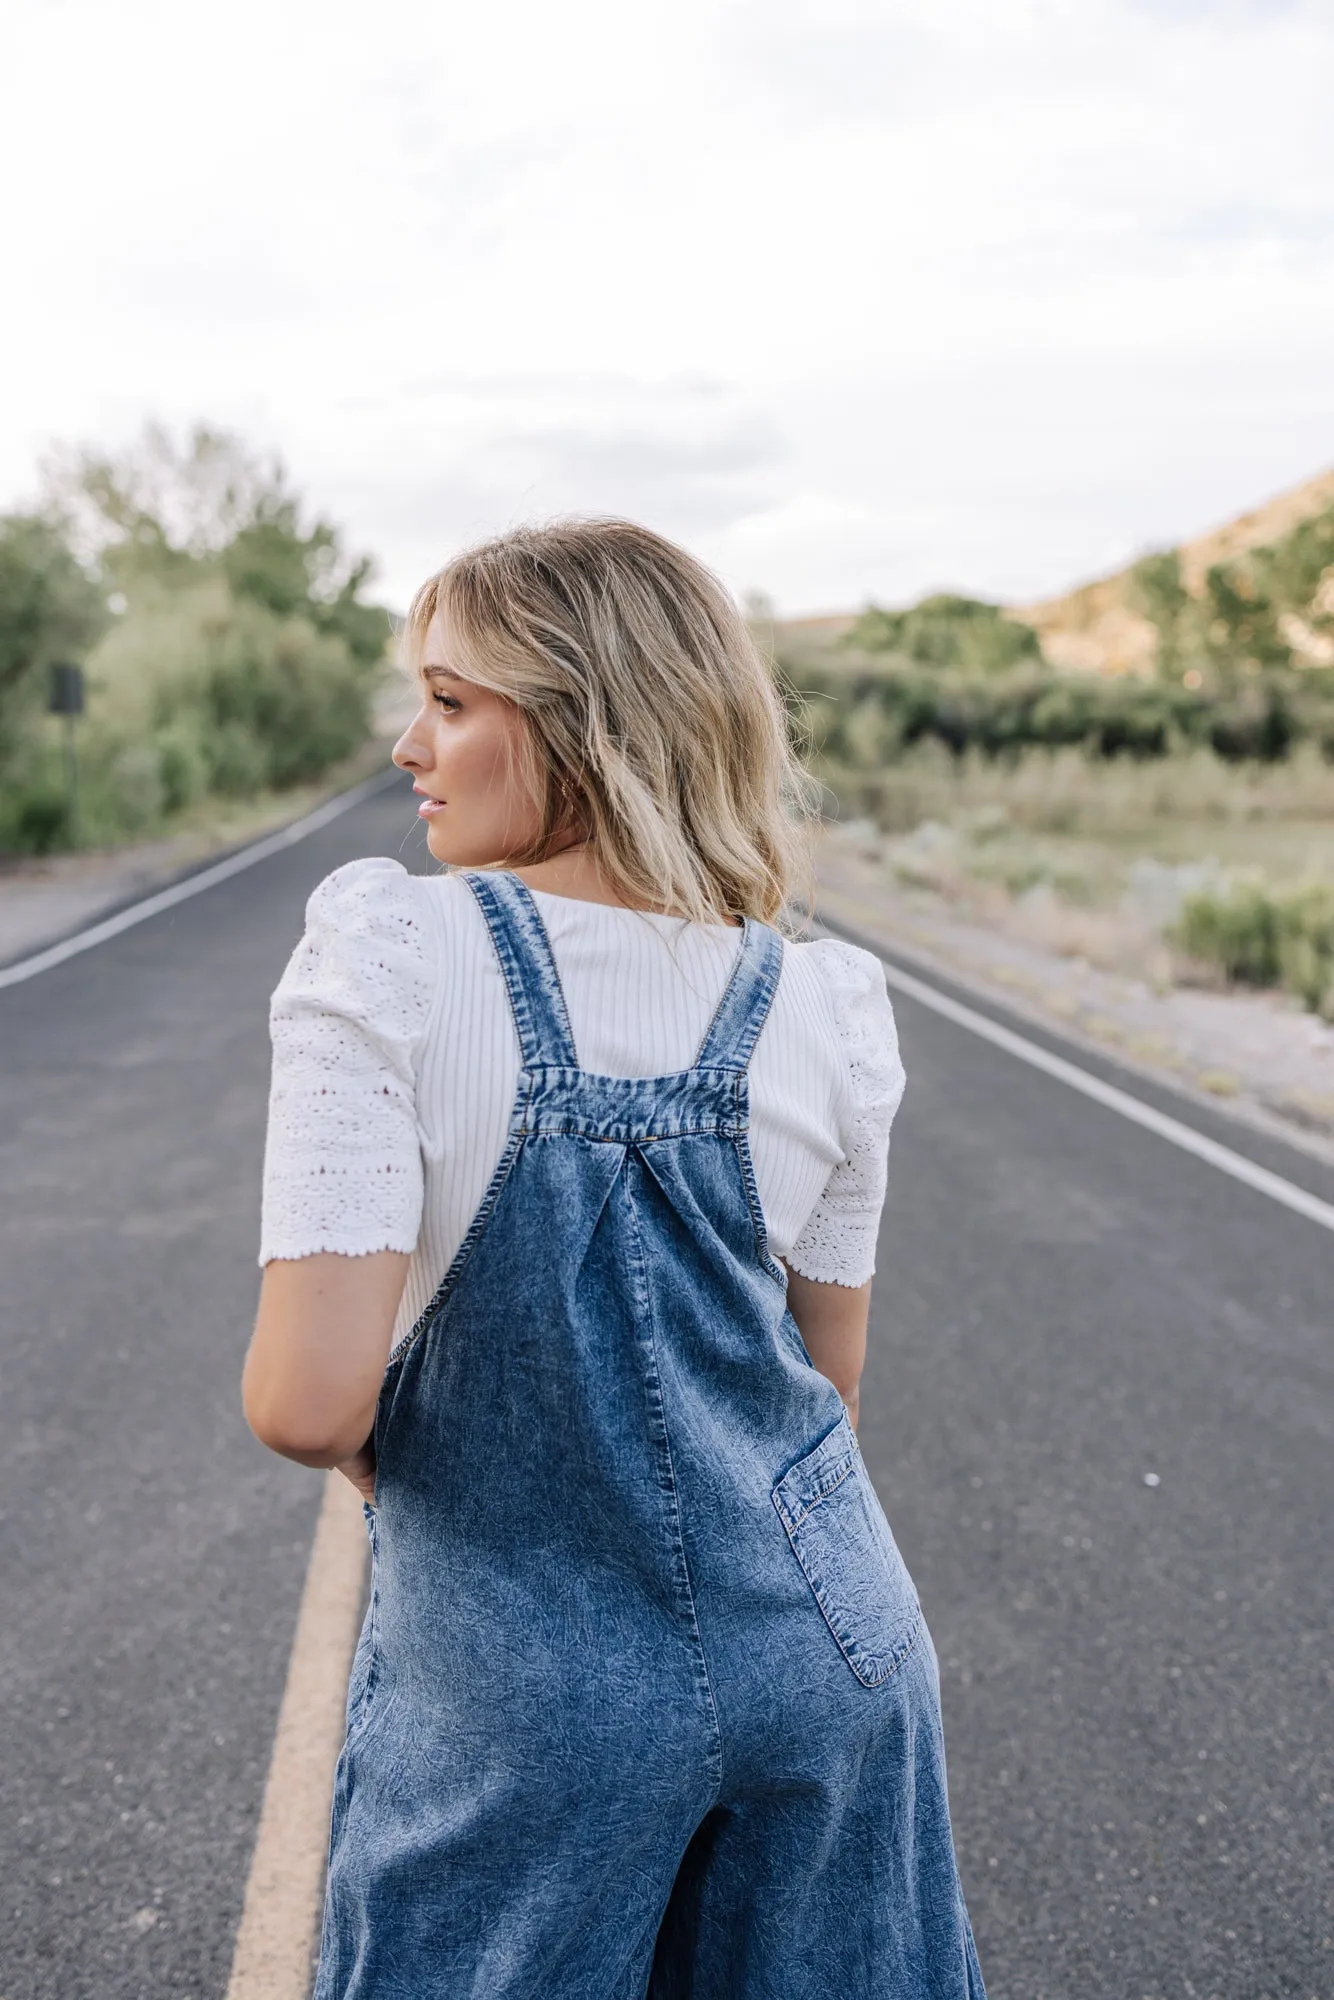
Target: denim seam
370,1712
721,1073
570,1086
741,1140
793,1521
735,977
525,1026
554,991
504,1167
511,914
744,1007
364,1729
851,1649
641,1272
632,1138
372,1675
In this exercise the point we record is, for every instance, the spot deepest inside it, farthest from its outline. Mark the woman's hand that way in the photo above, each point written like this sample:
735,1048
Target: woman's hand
359,1470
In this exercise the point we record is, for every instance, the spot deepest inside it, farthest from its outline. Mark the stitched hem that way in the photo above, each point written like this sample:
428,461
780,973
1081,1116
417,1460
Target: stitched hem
822,1275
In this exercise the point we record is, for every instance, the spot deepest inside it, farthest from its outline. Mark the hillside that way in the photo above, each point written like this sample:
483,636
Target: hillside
1100,627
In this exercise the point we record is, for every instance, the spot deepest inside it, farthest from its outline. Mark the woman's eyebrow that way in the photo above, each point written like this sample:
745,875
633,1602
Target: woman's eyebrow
440,673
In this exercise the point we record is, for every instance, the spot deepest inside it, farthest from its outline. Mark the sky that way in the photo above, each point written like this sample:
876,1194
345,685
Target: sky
856,300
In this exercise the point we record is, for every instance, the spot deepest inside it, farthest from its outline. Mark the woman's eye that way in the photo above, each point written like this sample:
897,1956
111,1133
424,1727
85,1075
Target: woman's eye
445,701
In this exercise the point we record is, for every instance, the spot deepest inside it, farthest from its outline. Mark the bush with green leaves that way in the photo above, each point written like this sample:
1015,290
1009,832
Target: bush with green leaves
51,609
860,718
228,646
966,633
1250,935
1236,934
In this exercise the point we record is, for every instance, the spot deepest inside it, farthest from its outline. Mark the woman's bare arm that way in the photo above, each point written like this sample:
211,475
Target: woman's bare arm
322,1334
317,1356
832,1321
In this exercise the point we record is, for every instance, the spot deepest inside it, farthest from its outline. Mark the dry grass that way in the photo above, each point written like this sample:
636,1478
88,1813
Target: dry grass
1095,860
1195,796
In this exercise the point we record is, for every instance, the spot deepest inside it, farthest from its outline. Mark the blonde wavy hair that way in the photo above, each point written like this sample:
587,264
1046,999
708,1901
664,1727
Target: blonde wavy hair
655,726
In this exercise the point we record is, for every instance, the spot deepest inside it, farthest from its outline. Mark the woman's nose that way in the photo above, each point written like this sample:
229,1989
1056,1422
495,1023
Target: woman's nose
406,753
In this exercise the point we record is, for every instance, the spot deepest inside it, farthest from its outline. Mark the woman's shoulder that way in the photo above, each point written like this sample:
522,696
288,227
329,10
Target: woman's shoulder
851,980
849,984
378,900
365,895
371,942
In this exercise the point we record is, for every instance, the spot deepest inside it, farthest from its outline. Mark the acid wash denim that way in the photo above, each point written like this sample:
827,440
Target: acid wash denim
644,1707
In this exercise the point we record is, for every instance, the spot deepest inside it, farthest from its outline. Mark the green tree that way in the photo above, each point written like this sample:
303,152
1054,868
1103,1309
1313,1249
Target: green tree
1241,621
50,607
967,633
230,643
1296,575
1158,592
163,508
274,563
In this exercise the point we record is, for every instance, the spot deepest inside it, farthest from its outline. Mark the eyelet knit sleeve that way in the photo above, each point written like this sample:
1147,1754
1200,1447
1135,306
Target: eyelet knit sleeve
837,1242
342,1164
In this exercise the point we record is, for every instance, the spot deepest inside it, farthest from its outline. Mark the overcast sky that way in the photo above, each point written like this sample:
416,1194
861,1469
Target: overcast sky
858,298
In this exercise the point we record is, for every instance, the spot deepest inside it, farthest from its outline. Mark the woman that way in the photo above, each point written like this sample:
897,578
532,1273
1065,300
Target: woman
574,1173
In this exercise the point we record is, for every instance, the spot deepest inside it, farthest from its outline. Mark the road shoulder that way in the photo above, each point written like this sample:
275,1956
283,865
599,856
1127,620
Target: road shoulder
48,899
1254,1057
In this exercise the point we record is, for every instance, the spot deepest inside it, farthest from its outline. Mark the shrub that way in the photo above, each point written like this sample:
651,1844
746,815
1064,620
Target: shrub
1266,608
1236,933
296,693
39,821
1306,946
242,656
133,784
1258,723
1254,937
234,761
947,631
182,766
863,717
50,607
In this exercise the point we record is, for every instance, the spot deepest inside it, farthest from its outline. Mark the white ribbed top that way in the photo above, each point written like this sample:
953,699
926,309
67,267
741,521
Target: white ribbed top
395,1067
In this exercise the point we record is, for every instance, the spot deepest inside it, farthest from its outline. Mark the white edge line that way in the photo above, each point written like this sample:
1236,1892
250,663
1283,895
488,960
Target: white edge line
193,885
1251,1175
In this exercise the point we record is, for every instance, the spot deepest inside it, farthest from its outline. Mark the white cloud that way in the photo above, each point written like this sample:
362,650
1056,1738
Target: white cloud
858,297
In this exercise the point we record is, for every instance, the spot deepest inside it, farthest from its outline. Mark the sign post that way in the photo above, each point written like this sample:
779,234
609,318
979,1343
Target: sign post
66,699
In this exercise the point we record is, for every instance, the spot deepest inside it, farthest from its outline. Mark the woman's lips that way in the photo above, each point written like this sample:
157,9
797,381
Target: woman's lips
429,806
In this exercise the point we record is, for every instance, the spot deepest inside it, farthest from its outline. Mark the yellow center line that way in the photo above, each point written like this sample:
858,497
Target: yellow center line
275,1944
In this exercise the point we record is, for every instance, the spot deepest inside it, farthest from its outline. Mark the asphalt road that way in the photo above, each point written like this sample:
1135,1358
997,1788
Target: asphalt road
1135,1676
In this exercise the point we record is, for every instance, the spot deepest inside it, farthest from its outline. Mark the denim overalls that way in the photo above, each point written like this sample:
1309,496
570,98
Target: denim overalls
644,1703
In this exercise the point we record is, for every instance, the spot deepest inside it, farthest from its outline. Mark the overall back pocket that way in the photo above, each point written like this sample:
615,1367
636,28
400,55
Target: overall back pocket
842,1540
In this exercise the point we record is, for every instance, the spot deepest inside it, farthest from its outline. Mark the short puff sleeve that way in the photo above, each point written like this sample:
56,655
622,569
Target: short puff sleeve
836,1244
342,1164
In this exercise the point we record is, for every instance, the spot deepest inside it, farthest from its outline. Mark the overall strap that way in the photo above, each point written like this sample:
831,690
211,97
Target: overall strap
524,951
745,1004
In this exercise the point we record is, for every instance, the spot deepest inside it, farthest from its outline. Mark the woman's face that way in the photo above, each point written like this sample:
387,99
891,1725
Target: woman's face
467,750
